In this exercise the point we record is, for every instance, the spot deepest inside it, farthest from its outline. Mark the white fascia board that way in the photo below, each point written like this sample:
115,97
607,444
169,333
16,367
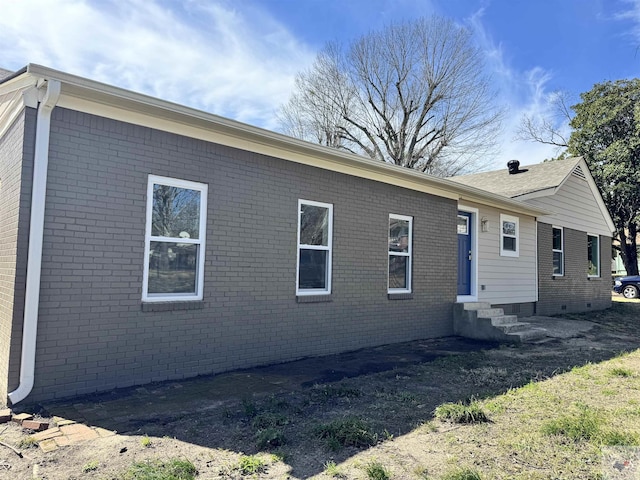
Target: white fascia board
119,104
15,103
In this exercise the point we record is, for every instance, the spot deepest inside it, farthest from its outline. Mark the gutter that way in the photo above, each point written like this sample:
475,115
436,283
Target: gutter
36,235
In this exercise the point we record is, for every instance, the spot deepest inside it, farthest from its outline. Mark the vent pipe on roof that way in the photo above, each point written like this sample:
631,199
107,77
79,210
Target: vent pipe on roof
513,166
36,234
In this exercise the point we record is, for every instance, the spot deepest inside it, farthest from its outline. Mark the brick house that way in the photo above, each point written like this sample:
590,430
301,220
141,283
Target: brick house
142,240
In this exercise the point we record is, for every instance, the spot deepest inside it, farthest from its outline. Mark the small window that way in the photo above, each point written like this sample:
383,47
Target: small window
463,225
509,236
400,240
558,251
175,239
593,255
315,225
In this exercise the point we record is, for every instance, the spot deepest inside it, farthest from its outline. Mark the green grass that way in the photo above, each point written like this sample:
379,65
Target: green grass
90,467
331,469
349,432
582,425
145,441
462,474
621,372
269,420
461,413
251,464
174,469
270,438
376,471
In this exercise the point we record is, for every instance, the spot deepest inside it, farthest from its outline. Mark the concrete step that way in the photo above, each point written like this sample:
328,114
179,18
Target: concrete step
504,319
513,327
476,305
490,312
529,336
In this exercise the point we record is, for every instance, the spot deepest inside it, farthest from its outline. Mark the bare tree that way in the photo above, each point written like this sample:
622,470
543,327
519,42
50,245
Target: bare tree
549,129
414,94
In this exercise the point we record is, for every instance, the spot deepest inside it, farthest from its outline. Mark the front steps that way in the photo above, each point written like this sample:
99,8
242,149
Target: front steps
480,321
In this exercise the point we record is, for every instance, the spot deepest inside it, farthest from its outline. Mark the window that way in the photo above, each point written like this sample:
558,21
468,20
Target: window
593,255
558,251
400,231
315,226
509,234
175,239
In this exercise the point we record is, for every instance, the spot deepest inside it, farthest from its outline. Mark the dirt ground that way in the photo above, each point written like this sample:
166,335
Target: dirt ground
280,426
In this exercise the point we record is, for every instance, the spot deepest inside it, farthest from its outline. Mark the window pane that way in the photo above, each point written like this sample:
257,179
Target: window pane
398,271
176,212
557,263
313,269
557,239
398,235
509,243
509,228
172,267
463,225
592,255
314,225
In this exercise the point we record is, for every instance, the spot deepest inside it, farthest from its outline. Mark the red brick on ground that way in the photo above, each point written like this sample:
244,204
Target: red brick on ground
78,432
5,415
21,417
36,425
50,433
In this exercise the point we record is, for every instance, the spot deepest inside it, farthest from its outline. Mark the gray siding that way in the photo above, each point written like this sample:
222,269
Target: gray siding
575,291
93,333
16,157
575,208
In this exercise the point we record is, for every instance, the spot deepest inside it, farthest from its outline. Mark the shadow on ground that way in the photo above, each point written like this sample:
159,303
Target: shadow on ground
393,388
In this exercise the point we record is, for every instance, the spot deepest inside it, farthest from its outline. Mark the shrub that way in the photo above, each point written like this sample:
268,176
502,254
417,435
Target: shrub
376,471
251,464
270,438
461,413
347,432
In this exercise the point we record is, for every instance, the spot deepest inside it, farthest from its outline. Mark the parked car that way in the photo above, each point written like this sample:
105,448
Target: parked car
629,287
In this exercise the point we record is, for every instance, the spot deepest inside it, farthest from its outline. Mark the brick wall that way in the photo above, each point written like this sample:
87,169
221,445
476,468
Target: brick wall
573,292
93,333
16,157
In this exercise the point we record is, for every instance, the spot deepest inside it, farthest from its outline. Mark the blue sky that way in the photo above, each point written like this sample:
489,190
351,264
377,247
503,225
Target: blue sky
238,58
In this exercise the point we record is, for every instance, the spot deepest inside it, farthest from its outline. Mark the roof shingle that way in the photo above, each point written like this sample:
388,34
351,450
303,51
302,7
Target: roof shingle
531,178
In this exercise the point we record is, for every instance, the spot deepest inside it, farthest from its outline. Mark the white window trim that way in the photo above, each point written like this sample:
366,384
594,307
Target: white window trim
201,240
553,250
509,253
328,248
596,236
408,254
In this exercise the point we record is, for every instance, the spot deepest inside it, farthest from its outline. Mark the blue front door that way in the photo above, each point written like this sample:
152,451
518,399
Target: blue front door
464,253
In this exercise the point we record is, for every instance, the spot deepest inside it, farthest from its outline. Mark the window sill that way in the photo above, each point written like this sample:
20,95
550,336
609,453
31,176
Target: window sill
313,298
171,306
557,277
400,296
594,279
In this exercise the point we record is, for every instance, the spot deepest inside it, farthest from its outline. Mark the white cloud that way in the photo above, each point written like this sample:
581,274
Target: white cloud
521,93
234,61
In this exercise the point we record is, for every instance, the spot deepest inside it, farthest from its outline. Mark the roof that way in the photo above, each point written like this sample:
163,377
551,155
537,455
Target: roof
85,95
5,73
529,179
